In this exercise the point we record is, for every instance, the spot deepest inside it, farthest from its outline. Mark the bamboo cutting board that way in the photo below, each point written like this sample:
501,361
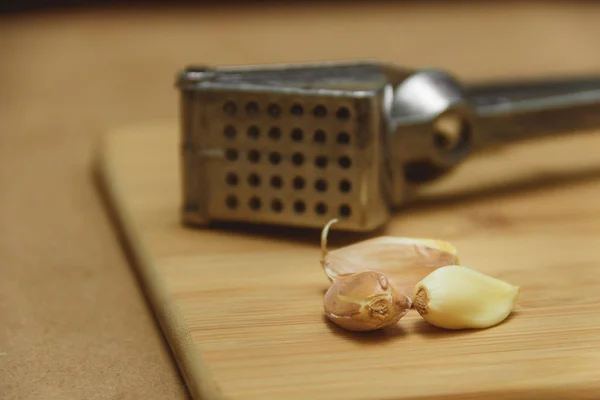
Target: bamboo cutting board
241,306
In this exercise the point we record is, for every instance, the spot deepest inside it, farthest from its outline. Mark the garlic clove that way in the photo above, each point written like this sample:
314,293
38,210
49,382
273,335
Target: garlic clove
404,260
457,297
364,301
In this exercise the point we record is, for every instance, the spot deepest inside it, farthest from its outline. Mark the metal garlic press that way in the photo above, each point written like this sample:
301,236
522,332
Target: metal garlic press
300,144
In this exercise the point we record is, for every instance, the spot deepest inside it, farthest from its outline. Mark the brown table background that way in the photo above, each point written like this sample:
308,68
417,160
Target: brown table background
73,321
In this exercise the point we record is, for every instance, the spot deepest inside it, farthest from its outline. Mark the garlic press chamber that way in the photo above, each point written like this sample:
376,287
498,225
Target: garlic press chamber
300,144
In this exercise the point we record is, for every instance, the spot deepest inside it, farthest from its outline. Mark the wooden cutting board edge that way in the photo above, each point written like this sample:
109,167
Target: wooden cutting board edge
167,314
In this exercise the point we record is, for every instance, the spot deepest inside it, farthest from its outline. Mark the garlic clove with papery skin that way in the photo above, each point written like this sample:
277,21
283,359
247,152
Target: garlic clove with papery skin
457,297
404,260
364,301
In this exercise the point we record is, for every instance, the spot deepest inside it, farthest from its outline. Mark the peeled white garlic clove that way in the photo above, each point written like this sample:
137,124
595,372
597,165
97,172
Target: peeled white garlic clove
457,297
364,301
404,260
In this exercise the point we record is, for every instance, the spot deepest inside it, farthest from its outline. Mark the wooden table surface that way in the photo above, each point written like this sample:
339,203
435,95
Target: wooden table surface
75,323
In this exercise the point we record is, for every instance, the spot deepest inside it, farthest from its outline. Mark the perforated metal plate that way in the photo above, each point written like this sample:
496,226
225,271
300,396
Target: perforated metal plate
287,158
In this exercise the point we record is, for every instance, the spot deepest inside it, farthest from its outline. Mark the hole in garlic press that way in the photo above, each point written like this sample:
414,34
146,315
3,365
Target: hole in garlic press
299,206
276,181
345,210
252,108
297,110
231,202
321,185
229,108
254,156
450,132
298,158
277,205
345,162
253,132
297,135
274,158
345,186
320,111
321,161
319,136
299,183
343,138
274,133
254,203
274,110
342,113
229,132
231,179
254,180
321,208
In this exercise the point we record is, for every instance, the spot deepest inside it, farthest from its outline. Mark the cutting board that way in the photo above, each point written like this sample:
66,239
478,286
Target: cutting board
241,305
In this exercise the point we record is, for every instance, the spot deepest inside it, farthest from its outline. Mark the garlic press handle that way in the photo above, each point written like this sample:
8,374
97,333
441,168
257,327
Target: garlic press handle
438,122
507,113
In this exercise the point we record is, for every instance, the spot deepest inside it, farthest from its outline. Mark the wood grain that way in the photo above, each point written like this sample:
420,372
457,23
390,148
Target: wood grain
241,306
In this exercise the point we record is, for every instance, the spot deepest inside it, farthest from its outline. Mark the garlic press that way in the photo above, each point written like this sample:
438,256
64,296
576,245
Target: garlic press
299,144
